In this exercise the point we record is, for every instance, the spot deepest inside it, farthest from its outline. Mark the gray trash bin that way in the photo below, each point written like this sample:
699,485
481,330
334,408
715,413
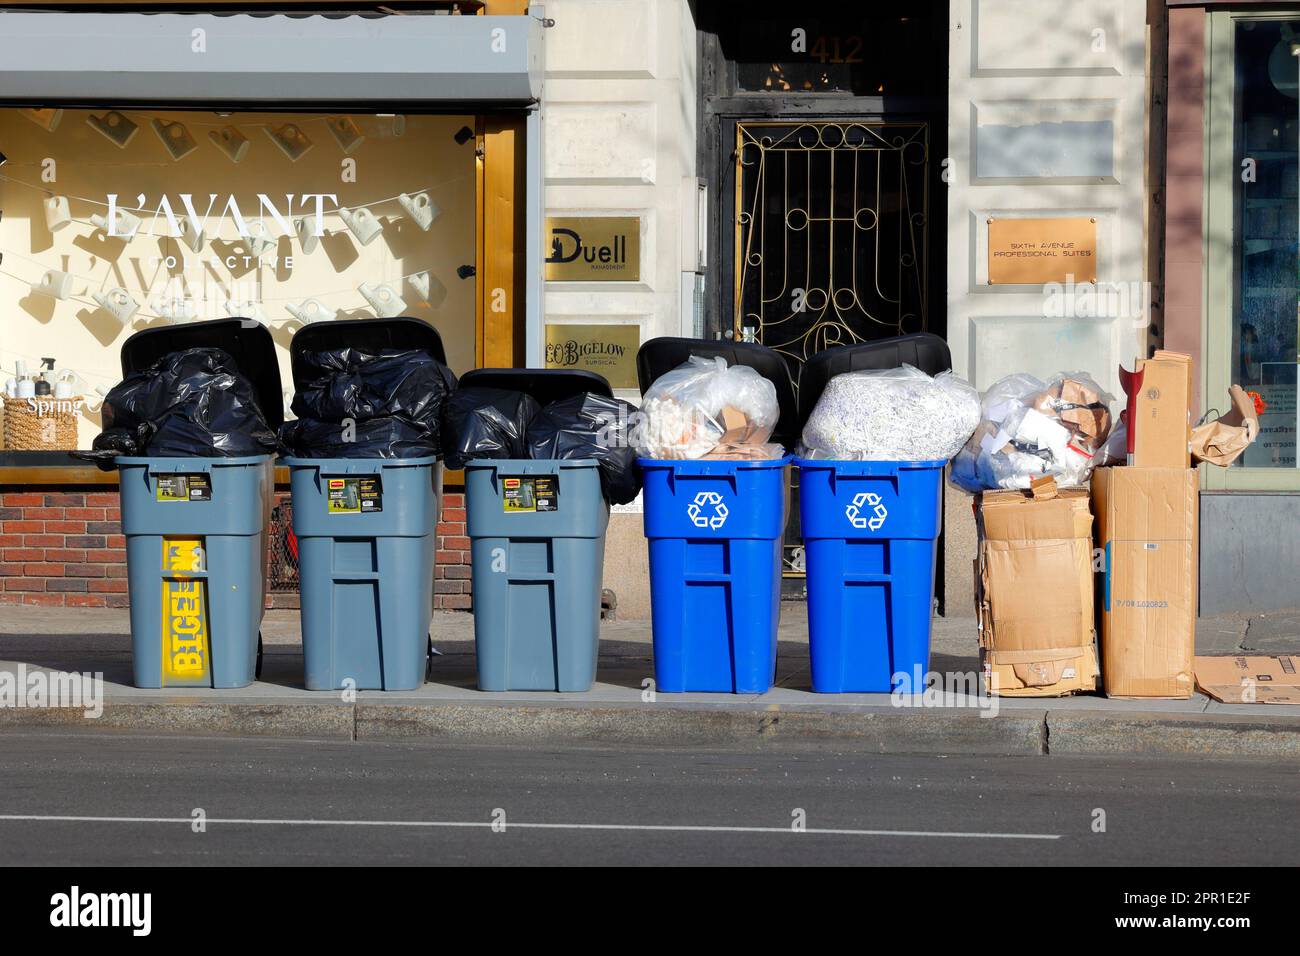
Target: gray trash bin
537,539
197,529
365,530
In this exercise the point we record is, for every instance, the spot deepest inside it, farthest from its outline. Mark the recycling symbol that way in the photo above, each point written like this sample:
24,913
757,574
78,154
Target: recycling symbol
866,499
707,510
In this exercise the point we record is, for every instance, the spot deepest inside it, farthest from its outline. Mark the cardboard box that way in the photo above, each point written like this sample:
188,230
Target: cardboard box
1147,529
1250,680
1034,592
1161,412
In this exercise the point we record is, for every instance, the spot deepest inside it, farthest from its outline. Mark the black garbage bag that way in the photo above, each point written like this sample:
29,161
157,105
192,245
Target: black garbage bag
486,423
360,384
192,403
590,426
386,436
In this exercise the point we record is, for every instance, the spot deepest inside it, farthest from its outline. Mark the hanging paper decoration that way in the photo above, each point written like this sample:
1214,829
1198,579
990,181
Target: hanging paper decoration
260,238
246,310
192,234
56,284
420,208
383,299
361,223
118,303
313,310
115,127
176,311
345,132
231,142
291,140
175,137
306,230
125,225
420,283
57,213
49,120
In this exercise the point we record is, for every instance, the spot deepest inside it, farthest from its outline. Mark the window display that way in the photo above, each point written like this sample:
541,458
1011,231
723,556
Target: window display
114,220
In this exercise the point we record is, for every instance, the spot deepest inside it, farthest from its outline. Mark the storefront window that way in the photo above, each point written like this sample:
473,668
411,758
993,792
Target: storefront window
118,220
1265,319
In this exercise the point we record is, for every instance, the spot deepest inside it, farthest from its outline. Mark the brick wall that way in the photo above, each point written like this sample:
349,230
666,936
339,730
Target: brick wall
62,549
451,575
65,549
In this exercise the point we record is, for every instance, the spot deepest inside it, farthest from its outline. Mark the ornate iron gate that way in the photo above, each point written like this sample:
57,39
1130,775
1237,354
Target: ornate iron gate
831,232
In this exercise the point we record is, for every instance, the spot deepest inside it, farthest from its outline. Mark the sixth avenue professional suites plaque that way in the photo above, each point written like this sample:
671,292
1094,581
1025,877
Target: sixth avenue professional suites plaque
1037,251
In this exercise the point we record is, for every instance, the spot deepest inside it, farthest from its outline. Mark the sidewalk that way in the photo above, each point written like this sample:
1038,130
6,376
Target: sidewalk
620,710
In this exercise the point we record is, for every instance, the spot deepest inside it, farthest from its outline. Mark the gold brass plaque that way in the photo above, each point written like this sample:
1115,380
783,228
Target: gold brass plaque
593,249
1037,251
608,350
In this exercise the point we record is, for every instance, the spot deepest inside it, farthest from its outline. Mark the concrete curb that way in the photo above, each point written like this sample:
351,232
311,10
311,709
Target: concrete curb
861,730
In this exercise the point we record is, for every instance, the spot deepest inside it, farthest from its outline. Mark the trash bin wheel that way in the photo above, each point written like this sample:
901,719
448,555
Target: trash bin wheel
257,671
428,659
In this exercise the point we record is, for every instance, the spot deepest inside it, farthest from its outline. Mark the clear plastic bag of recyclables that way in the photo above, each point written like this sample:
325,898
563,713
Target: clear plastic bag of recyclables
686,413
898,414
362,404
192,403
486,423
590,426
1030,428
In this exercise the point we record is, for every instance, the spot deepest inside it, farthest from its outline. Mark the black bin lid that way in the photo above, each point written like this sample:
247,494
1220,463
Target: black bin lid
661,355
404,333
922,350
247,341
545,385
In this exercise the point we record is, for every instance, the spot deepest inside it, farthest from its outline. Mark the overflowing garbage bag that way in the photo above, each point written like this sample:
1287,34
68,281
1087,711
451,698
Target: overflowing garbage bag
360,403
191,403
1030,428
481,422
590,426
898,414
706,408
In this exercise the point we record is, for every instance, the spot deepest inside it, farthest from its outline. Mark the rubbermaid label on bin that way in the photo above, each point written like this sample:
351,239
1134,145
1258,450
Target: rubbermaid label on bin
707,510
354,496
184,487
185,657
531,493
866,511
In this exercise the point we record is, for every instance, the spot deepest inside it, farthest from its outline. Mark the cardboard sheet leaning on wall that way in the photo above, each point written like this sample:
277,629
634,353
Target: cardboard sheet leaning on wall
1034,592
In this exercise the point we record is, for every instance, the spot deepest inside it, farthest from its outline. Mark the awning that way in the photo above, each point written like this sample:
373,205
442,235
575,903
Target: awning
277,61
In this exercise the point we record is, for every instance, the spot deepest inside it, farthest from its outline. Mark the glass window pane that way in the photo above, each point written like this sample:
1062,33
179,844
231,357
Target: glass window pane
1264,327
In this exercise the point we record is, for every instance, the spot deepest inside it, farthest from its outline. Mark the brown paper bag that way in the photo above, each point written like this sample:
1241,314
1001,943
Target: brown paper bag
1221,442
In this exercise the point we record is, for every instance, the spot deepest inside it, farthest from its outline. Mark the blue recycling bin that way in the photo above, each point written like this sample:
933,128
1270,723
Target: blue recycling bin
196,534
197,528
715,532
870,531
537,551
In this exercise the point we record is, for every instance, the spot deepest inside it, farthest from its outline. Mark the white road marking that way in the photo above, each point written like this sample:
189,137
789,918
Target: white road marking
509,825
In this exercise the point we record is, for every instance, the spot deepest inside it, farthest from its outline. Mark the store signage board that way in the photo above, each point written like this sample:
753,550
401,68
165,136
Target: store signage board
608,350
1038,251
593,249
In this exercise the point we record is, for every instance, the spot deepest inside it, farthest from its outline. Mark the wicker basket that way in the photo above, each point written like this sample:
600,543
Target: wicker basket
49,426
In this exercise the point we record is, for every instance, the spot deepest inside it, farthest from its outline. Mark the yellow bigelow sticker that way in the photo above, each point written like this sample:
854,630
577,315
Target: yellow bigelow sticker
184,614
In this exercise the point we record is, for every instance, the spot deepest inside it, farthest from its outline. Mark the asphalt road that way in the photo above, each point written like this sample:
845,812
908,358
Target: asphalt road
304,802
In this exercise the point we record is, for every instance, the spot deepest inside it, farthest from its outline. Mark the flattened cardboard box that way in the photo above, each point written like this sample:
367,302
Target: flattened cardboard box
1034,594
1147,529
1250,680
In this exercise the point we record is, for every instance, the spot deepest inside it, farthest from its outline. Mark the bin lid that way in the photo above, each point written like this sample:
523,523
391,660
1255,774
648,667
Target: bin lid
545,385
247,341
922,350
659,356
403,333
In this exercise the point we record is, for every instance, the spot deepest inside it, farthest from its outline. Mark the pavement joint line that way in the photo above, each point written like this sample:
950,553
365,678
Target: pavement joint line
480,824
